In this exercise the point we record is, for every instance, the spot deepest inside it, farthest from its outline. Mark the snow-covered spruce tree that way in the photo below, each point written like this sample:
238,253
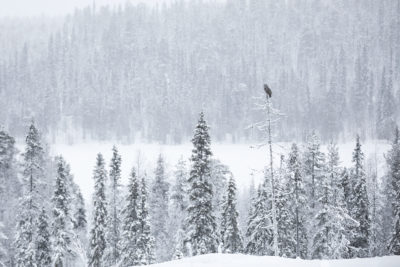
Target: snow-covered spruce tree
33,176
376,237
259,232
393,161
43,242
178,207
230,234
313,166
159,212
10,191
113,235
62,236
97,242
201,221
131,225
360,202
284,213
298,201
219,176
331,237
146,241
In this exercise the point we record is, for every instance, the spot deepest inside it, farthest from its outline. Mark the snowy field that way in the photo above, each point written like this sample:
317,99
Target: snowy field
242,159
236,260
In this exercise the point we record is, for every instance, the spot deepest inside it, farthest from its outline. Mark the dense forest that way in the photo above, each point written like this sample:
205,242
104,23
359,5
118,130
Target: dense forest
313,209
138,72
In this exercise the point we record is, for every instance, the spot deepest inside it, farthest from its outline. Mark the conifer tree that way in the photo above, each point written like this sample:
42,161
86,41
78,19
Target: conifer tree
43,242
299,200
259,232
97,234
360,202
313,166
201,221
131,226
230,234
146,241
62,223
159,212
179,204
393,161
113,235
33,175
10,191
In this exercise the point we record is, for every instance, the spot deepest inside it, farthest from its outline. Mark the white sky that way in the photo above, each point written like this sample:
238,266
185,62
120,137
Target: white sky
23,8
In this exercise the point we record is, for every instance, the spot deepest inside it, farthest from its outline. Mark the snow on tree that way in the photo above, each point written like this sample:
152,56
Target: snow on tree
201,232
10,191
360,202
298,201
113,235
230,234
314,161
159,212
393,161
219,176
62,236
43,241
285,216
259,232
97,243
131,225
33,176
146,241
331,237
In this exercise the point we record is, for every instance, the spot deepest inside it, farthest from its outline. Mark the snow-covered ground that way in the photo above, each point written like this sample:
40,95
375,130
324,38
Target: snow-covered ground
242,159
237,260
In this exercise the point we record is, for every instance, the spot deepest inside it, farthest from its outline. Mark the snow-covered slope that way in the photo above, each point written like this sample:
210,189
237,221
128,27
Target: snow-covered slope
237,260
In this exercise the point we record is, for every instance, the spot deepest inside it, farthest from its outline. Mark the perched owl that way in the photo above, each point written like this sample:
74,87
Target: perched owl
267,90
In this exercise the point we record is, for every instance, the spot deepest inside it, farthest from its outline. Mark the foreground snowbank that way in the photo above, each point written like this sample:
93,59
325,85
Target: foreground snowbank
238,260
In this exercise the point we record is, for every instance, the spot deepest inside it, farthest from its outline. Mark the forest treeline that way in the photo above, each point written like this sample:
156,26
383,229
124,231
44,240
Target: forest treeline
322,210
134,73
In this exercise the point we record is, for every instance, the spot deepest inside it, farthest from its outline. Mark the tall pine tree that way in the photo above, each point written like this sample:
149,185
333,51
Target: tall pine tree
201,221
159,212
360,202
230,234
113,235
97,234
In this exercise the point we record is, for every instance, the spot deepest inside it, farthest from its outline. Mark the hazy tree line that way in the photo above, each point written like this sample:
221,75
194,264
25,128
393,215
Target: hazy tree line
135,69
323,211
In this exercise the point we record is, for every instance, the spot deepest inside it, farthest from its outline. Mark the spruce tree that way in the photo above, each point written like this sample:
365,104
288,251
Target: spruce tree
62,223
33,176
114,221
313,166
97,243
230,234
10,191
201,221
298,201
393,161
178,207
146,241
360,202
43,242
131,226
259,232
159,212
